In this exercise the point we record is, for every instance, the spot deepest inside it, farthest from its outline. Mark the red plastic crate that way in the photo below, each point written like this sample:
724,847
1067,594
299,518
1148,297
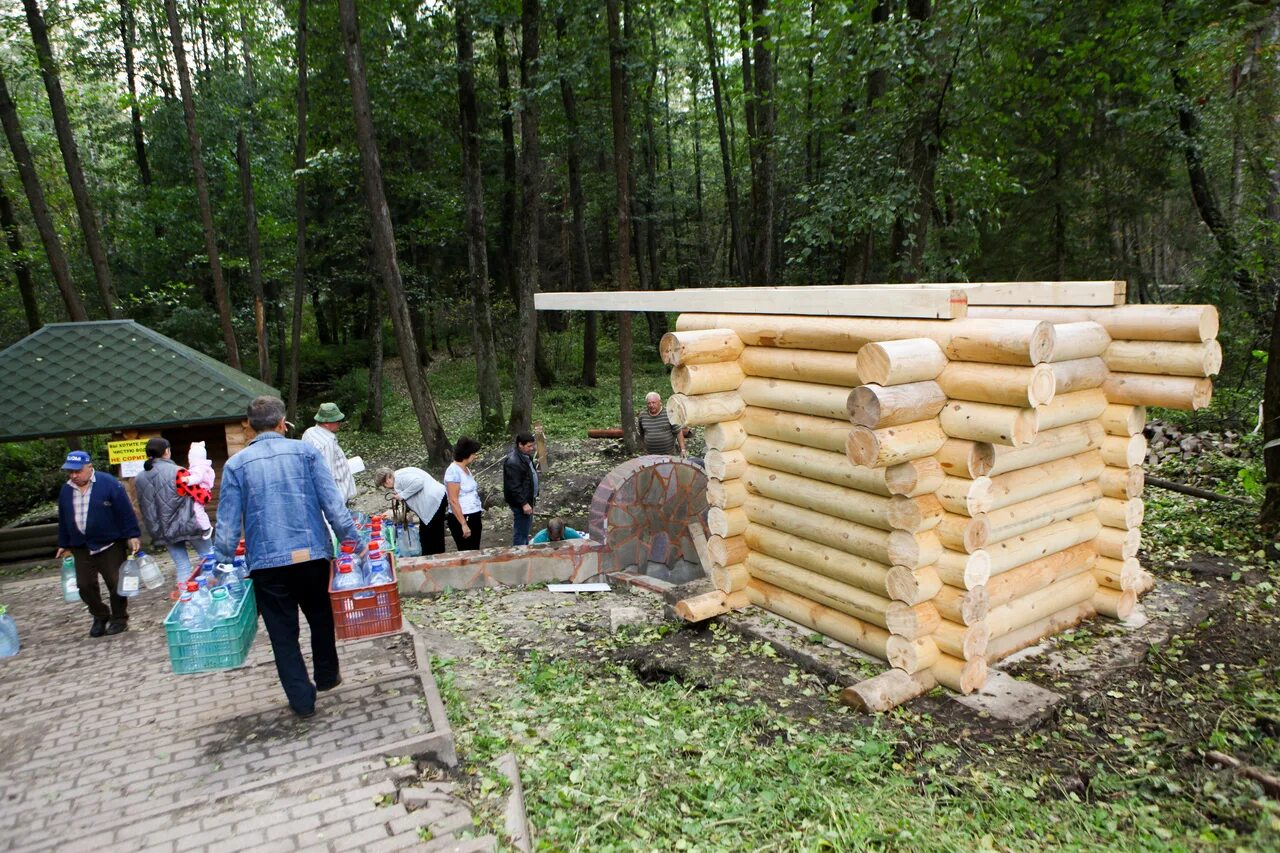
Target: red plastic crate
371,611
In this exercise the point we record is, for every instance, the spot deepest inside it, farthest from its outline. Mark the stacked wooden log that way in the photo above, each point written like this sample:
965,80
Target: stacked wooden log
937,493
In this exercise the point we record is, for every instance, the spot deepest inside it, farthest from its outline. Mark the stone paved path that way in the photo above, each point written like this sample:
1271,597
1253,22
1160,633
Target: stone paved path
103,747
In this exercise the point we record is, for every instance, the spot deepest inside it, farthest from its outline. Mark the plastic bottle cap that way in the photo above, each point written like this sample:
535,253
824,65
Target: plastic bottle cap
220,592
344,567
192,586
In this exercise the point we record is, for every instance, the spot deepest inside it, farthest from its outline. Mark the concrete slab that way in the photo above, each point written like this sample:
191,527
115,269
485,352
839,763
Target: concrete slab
1010,700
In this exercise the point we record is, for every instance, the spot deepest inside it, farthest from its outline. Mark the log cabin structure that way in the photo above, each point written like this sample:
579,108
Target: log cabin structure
937,475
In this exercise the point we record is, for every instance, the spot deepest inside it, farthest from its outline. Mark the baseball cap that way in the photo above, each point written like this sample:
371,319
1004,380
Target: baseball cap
76,460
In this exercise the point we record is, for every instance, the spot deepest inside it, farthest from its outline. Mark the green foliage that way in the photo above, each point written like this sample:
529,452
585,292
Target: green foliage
30,474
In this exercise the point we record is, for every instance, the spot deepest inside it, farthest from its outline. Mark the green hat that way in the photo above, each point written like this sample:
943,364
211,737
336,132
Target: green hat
329,413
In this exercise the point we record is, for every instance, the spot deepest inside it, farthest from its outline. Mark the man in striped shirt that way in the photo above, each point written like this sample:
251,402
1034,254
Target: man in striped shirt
324,438
660,435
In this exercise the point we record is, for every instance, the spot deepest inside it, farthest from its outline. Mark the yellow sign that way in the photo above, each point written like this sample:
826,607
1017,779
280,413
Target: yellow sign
134,450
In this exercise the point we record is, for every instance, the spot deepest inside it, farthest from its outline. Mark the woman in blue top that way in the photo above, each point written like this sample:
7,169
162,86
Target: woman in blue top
466,513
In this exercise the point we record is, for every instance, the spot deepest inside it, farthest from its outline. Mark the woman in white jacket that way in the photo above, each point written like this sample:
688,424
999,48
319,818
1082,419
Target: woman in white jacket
423,494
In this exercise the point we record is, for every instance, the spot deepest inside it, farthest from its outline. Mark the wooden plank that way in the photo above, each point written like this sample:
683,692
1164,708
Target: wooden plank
700,546
937,303
1037,293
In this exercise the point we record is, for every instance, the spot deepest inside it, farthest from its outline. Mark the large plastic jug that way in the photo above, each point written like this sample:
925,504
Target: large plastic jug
223,605
346,577
129,583
8,635
152,577
191,616
70,586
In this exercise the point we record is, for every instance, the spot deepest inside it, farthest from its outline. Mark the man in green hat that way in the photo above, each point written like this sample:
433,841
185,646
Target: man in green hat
324,438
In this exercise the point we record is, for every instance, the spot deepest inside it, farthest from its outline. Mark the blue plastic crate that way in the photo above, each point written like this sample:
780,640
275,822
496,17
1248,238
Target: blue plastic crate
223,646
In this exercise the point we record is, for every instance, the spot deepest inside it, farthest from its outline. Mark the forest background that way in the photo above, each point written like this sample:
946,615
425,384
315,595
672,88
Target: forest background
208,168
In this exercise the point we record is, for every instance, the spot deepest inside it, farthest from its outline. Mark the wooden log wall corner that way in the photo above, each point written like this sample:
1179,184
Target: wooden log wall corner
936,493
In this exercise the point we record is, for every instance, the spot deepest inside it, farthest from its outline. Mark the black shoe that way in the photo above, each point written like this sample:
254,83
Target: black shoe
336,682
117,628
303,715
99,628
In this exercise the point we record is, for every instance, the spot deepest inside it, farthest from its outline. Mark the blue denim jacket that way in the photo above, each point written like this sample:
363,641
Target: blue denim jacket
279,492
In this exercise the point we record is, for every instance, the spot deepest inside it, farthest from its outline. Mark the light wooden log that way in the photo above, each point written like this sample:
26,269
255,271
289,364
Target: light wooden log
725,551
806,365
912,586
1171,392
1121,514
900,362
878,406
1002,384
965,497
1042,629
962,676
1049,445
702,346
1024,342
1164,358
726,522
963,533
699,608
915,515
850,537
726,494
913,478
802,398
1120,575
964,571
960,641
1124,451
967,607
833,623
817,464
1121,419
725,465
1145,584
727,435
1004,425
1073,408
912,620
1037,605
888,690
1188,323
1059,536
1016,519
829,562
730,578
1113,603
1079,374
1119,544
881,448
1038,574
1122,483
1079,340
1025,484
849,504
819,433
911,656
706,378
705,408
971,459
914,549
874,300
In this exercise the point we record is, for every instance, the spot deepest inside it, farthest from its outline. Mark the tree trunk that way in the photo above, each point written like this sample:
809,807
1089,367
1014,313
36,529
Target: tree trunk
300,210
128,37
1270,515
71,157
701,236
372,420
860,251
579,253
736,234
384,241
21,269
621,171
671,175
762,172
506,224
202,187
255,255
748,95
477,249
521,419
39,209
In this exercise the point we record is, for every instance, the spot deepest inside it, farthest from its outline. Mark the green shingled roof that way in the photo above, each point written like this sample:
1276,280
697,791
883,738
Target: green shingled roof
84,378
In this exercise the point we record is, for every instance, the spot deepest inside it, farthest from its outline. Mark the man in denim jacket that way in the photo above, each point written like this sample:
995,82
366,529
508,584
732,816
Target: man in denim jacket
279,492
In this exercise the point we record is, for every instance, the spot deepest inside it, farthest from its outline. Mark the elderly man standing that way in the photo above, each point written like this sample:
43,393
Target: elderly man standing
95,521
659,434
324,438
280,494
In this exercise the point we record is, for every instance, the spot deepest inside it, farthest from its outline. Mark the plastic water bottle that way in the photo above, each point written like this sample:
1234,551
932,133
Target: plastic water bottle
346,576
130,580
240,562
70,586
229,579
152,577
8,635
223,606
191,616
201,595
379,567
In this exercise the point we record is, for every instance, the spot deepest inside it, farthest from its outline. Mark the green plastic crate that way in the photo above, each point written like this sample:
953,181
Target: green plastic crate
223,646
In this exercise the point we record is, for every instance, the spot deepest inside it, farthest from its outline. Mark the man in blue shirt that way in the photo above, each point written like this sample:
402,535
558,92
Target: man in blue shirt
279,492
95,522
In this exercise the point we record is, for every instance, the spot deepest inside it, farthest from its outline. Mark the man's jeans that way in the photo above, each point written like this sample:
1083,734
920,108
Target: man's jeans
521,525
182,560
280,591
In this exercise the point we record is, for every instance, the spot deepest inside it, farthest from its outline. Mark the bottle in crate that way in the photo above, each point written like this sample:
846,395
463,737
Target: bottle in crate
240,561
191,616
222,605
70,586
379,566
229,579
346,576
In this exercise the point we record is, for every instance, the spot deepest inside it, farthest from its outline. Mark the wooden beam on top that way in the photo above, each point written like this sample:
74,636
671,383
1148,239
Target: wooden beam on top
944,302
1055,294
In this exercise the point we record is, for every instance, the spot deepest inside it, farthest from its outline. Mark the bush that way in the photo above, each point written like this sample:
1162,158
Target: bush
30,474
